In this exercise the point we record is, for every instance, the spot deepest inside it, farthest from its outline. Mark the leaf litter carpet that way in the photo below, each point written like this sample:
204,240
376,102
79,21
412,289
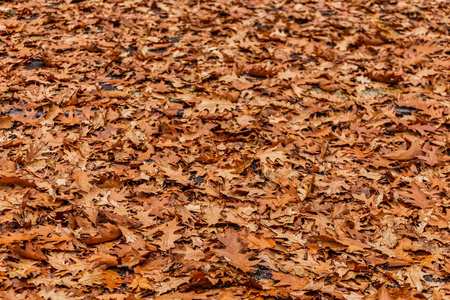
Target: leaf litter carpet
224,150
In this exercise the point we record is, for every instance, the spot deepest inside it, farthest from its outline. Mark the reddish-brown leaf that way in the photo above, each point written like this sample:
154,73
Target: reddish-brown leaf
416,197
16,180
233,252
413,151
383,294
30,251
106,232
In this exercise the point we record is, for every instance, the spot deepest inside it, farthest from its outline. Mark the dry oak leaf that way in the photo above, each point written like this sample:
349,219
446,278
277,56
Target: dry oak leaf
232,252
409,154
169,236
6,123
297,90
416,197
111,279
414,275
263,70
272,155
190,254
16,180
353,244
386,77
169,285
328,86
383,294
215,104
82,179
176,176
213,214
29,251
107,232
104,260
259,242
422,128
71,119
431,157
294,282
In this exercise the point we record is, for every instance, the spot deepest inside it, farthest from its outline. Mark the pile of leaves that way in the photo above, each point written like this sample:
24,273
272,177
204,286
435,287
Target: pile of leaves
245,149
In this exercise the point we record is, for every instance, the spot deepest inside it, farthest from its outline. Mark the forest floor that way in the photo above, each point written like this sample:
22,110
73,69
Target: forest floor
224,149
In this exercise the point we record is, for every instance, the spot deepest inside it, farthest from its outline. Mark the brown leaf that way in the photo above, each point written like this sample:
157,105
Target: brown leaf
386,77
272,155
111,279
295,283
263,70
104,260
169,236
297,90
176,175
6,123
414,277
82,179
431,156
328,85
16,180
383,294
413,151
416,197
232,252
106,232
30,251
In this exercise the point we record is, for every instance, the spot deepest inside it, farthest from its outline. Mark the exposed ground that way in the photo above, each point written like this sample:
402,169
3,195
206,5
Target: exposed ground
224,150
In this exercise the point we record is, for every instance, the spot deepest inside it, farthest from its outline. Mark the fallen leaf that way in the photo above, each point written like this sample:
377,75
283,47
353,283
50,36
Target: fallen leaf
169,236
6,123
30,251
106,232
416,197
232,252
82,179
413,151
16,180
431,157
383,294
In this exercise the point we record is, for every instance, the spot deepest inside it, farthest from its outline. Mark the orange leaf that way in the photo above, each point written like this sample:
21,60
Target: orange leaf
107,232
383,294
6,123
263,71
431,157
169,237
294,282
409,154
16,180
82,179
416,197
29,251
233,247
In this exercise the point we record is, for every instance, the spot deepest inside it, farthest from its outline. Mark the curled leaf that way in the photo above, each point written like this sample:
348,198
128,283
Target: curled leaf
263,71
29,251
107,232
409,154
16,180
